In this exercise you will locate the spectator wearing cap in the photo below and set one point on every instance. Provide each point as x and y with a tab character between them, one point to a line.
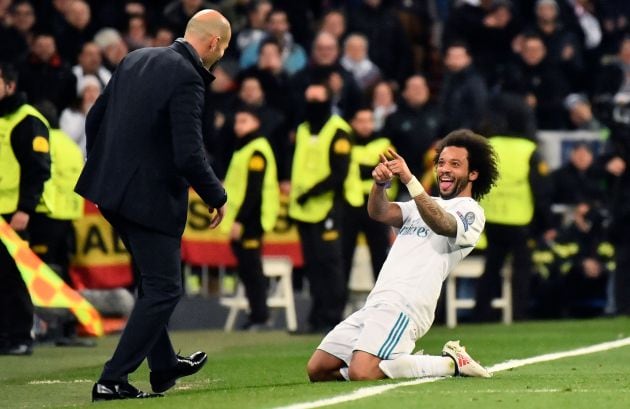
581	113
355	60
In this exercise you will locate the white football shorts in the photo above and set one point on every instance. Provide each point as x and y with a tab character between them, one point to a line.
381	330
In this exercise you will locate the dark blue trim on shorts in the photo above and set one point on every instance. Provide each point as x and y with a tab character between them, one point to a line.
394	336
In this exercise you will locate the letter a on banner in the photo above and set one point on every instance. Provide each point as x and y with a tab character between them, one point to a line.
46	288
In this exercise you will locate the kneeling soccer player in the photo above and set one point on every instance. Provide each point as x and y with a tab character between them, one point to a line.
435	234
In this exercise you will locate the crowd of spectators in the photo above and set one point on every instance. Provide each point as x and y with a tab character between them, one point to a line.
425	67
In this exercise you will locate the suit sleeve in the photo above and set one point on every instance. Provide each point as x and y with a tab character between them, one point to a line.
95	118
31	146
185	111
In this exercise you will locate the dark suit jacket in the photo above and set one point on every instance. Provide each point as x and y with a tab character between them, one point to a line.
144	140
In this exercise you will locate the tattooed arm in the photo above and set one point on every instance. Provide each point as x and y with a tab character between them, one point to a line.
438	219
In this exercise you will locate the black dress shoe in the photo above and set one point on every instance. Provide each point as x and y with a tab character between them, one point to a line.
115	391
164	380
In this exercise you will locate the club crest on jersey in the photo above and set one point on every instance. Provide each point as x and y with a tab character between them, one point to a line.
468	219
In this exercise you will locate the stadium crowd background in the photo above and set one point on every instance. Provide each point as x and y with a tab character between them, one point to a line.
424	67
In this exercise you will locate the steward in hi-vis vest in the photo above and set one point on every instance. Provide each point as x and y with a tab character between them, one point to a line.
252	209
323	177
521	192
24	168
366	152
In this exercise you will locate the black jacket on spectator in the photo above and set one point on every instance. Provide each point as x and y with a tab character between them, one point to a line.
144	140
462	100
12	44
349	100
389	47
52	81
412	131
490	47
571	186
546	82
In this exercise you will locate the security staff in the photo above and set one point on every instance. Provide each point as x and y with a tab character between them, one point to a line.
323	176
252	209
52	234
24	168
365	151
510	206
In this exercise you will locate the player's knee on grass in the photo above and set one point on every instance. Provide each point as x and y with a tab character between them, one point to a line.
323	367
364	367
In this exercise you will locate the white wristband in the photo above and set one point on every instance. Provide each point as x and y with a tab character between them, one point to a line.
414	187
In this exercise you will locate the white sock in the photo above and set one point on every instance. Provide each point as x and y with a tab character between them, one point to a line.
344	372
418	366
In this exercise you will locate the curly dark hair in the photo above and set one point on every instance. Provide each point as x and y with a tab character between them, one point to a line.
481	157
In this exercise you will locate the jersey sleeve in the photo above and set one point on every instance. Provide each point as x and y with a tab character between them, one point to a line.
470	222
407	209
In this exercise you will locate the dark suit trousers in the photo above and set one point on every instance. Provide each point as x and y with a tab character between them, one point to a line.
504	240
156	260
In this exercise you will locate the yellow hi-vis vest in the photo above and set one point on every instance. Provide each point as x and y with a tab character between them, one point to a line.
311	165
66	165
368	155
236	184
10	167
511	201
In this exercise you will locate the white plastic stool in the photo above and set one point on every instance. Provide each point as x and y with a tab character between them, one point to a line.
280	294
472	267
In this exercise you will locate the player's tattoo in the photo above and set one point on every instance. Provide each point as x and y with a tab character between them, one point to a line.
438	219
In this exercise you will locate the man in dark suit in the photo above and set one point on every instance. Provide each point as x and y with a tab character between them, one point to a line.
145	147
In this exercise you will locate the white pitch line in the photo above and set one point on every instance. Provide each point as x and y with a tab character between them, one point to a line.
515	363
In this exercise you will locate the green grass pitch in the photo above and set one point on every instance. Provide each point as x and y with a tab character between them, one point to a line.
267	370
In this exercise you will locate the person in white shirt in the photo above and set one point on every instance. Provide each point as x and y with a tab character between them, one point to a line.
435	233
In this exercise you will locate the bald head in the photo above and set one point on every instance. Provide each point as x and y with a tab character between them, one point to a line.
209	32
208	23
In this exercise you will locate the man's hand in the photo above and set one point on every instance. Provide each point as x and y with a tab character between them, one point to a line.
381	173
399	167
217	217
19	221
236	231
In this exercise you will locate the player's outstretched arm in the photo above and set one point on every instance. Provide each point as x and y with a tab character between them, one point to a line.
438	219
379	207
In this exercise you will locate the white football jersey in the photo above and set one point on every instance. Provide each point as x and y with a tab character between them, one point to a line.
420	260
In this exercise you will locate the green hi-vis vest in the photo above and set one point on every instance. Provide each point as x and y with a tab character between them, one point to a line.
10	167
511	202
311	164
368	155
236	184
67	163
